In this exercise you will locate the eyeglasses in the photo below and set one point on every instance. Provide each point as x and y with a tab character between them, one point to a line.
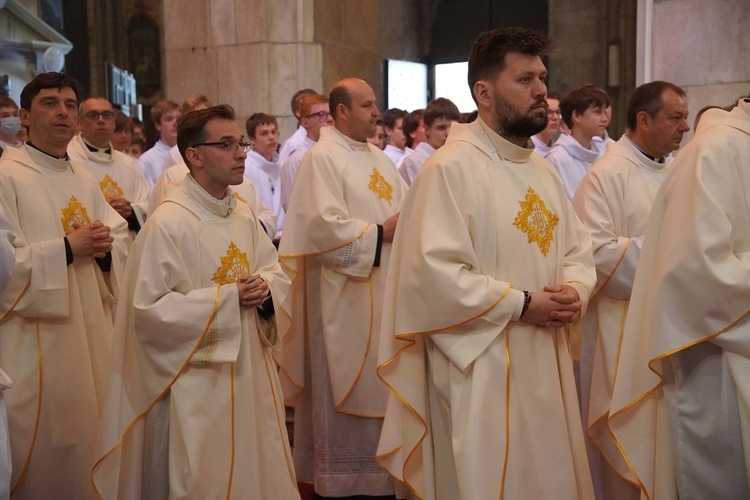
227	145
552	112
94	115
322	115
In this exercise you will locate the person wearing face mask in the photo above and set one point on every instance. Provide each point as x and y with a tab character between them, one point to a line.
10	123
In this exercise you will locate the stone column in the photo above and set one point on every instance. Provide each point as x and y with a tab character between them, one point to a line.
251	54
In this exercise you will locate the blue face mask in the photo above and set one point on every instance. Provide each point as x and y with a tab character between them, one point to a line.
10	125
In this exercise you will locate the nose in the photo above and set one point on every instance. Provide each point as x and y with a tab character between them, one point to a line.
683	126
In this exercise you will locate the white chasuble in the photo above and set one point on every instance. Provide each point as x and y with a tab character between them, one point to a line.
613	201
182	336
56	326
482	406
690	297
343	190
116	174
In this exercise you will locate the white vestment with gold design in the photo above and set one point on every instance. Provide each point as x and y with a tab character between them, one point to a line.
343	190
116	174
55	324
482	406
246	192
680	409
181	339
613	201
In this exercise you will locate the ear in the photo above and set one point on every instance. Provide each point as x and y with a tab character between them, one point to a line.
194	157
643	120
341	110
484	93
24	116
575	116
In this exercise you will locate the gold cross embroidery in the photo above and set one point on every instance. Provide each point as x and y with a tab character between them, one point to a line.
233	266
536	221
110	189
75	213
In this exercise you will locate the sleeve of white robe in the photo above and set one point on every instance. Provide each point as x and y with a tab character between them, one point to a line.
616	256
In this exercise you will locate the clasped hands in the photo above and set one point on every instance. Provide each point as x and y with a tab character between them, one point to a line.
553	307
93	240
253	291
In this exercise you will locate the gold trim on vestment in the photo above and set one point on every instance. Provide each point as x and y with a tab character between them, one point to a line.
40	366
380	186
656	387
109	188
294	255
596	292
231	460
406	337
280	421
507	412
74	213
161	395
13	307
364	361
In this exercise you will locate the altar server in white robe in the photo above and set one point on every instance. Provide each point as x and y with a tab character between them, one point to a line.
336	245
614	201
680	409
56	326
263	166
490	271
120	181
195	408
164	115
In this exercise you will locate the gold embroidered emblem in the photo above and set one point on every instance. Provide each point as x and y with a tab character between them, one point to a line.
240	198
380	186
110	189
75	213
536	221
233	266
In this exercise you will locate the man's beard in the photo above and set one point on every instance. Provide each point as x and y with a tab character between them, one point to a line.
514	124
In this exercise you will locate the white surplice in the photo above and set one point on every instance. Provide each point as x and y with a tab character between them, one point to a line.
572	161
266	177
412	163
289	170
151	162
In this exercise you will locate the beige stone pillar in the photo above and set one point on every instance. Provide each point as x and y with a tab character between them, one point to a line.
251	54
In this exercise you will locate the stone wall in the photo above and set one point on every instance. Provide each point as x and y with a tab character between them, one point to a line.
704	47
252	54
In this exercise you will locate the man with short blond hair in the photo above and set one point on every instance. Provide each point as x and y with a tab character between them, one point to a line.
164	115
342	215
315	114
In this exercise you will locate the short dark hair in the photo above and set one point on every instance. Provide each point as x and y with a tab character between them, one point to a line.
393	115
339	95
440	108
411	123
584	97
647	98
298	97
122	121
258	119
191	126
161	107
50	80
7	102
553	95
487	56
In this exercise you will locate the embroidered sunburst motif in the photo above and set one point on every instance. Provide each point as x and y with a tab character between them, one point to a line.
110	189
380	186
536	221
233	266
74	213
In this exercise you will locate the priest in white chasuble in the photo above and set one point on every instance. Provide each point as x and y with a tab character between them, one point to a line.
679	411
490	273
195	409
55	314
121	182
342	214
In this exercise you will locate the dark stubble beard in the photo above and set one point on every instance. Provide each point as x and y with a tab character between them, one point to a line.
514	124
